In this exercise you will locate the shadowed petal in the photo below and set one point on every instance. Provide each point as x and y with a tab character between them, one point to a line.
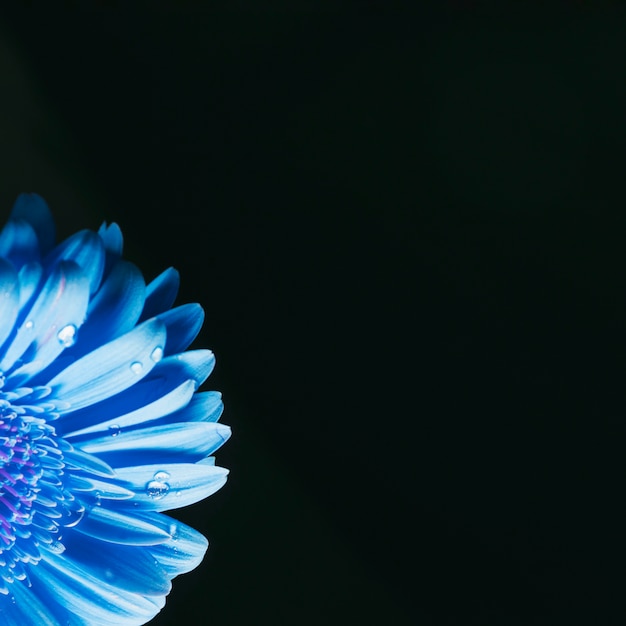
161	293
32	208
9	298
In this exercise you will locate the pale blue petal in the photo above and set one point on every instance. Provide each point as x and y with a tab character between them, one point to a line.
30	280
86	249
167	486
168	403
88	598
130	568
114	310
27	609
161	293
32	208
183	325
62	302
197	438
9	298
184	551
120	528
206	406
99	489
159	393
111	368
193	364
79	460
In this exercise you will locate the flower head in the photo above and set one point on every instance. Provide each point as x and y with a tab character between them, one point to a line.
101	428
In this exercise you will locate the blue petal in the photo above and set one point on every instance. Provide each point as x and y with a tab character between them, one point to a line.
183	325
18	243
166	486
164	390
193	364
161	293
184	551
30	278
88	598
130	568
86	249
76	459
100	488
32	208
61	304
26	609
114	310
206	406
9	298
117	527
111	368
196	438
113	244
166	404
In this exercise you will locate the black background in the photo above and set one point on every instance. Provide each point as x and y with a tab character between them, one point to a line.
407	231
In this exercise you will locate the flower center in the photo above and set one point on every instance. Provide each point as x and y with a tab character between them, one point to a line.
19	473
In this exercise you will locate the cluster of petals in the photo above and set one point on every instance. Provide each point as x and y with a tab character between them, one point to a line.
101	428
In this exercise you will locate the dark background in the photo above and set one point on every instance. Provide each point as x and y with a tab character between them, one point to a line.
408	232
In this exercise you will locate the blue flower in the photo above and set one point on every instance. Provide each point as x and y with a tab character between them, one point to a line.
101	428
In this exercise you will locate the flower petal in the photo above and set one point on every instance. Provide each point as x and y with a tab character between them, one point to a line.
161	293
206	406
166	486
87	599
86	249
121	528
183	325
60	305
26	609
130	568
111	368
33	209
114	310
18	243
9	298
167	403
197	439
29	279
183	551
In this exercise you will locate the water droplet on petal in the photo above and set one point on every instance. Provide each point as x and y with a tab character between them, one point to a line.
136	367
29	325
114	430
67	335
157	488
157	354
173	531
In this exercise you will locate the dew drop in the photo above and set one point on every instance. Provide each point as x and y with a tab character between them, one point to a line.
67	335
114	430
157	488
173	531
29	325
136	367
157	354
